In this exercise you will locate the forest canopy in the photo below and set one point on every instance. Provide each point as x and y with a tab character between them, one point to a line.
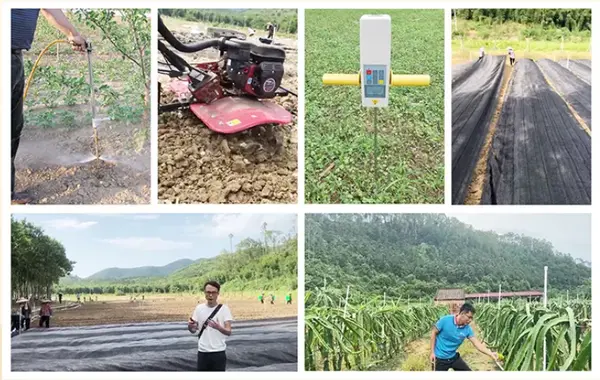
414	255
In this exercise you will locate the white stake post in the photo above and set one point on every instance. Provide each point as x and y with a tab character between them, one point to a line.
346	303
545	304
383	298
499	294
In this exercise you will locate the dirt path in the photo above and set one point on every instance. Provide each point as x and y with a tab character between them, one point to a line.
196	165
417	356
57	166
168	309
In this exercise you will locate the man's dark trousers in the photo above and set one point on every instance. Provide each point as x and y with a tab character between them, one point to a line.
17	88
456	363
212	361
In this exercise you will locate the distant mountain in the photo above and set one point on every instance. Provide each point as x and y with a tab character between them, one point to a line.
148	271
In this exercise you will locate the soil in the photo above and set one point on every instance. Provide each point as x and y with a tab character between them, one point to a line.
58	165
166	309
196	165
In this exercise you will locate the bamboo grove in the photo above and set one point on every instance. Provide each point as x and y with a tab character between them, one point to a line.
37	261
518	330
358	337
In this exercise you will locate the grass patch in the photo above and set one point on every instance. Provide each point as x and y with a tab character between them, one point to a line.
339	138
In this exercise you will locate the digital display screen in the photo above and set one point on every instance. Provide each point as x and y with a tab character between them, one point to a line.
375	91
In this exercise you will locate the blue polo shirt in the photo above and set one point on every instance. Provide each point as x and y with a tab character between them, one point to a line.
450	337
22	27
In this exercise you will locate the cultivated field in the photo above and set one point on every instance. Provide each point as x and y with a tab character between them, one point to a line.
537	150
339	158
56	158
165	308
196	165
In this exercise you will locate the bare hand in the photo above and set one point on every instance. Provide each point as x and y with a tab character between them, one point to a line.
77	42
214	325
432	357
495	356
192	324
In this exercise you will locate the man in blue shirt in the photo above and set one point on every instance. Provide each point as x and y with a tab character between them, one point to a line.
23	25
447	336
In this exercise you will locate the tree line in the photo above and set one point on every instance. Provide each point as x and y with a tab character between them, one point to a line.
270	264
572	19
414	255
285	20
37	261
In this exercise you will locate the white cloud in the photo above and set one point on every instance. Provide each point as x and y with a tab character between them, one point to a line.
148	243
69	224
242	225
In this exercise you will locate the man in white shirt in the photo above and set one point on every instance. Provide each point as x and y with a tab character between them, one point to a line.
214	321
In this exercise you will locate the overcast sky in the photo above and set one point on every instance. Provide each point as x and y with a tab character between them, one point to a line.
99	241
569	233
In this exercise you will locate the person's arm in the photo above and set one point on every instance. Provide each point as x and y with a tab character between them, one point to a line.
57	19
434	333
481	347
226	329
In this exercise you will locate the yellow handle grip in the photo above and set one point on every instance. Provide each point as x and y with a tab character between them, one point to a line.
341	79
411	80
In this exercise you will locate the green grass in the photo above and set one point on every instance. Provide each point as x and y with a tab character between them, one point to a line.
496	38
339	140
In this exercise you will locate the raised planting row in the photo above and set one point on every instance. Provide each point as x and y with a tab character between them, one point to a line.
581	68
518	331
573	89
540	153
254	345
361	336
474	97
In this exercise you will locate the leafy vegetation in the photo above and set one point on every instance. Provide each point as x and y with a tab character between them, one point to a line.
255	265
414	255
518	330
532	33
339	131
60	84
285	20
37	261
360	336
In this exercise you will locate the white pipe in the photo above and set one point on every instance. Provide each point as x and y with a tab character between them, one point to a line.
545	305
499	294
346	303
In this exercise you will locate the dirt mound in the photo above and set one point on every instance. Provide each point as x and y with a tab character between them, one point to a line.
196	165
57	166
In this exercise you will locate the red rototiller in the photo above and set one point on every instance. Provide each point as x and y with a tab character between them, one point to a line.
232	94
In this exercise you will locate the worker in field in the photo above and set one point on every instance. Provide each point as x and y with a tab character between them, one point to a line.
26	313
481	53
45	313
261	298
272	299
60	298
215	319
448	334
511	56
23	25
271	30
288	299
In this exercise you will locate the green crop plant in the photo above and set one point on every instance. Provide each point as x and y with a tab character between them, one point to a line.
518	330
360	336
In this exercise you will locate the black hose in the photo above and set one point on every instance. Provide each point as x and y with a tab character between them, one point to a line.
190	48
173	58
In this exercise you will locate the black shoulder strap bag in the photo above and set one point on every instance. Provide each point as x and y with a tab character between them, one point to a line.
212	315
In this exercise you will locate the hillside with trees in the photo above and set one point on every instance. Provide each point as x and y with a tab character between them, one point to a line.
254	265
147	271
286	20
413	255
